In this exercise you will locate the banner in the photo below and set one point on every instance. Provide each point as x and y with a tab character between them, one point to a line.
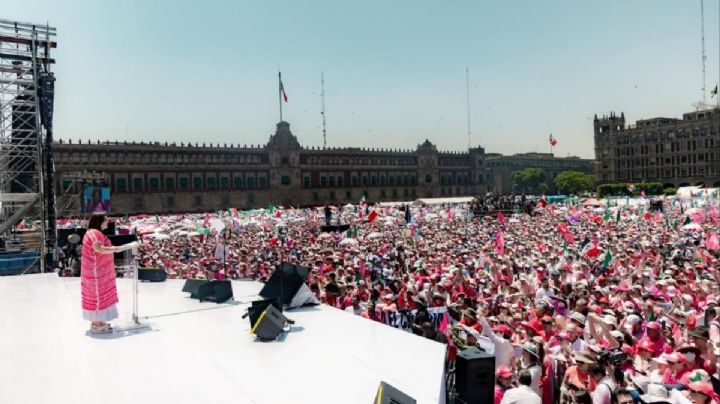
404	319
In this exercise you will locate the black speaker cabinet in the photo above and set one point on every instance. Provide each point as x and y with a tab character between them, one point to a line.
191	286
474	376
387	394
152	275
215	291
284	283
269	325
257	308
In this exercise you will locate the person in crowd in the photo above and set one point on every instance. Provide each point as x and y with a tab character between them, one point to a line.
503	382
523	394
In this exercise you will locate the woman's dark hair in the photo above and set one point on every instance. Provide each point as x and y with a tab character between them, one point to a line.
95	221
524	378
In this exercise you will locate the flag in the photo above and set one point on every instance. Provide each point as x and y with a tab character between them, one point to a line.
282	88
714	91
271	208
617	216
500	217
593	251
372	216
553	140
630	187
606	261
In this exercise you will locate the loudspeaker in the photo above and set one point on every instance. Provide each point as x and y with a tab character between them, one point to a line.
332	228
215	291
152	275
387	394
191	286
284	283
269	325
474	376
258	307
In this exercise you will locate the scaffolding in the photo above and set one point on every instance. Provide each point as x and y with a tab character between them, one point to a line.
27	203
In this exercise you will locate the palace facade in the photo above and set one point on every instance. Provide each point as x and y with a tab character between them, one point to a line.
154	177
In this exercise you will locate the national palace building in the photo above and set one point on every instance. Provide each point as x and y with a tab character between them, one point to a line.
155	177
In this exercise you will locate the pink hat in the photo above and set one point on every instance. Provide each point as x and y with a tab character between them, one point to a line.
653	325
504	372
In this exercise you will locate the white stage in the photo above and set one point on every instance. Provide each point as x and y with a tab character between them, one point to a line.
198	352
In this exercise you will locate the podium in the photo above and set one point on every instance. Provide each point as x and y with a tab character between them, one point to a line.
129	267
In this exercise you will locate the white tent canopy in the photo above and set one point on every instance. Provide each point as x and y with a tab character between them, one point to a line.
440	201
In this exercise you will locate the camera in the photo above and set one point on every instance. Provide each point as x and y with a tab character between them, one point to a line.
612	356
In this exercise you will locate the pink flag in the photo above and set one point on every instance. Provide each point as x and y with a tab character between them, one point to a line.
500	244
712	242
443	323
501	217
449	213
699	217
569	238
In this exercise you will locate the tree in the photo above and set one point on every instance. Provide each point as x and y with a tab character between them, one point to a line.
528	180
574	182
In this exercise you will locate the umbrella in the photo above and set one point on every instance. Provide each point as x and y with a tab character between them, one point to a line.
348	241
592	202
692	226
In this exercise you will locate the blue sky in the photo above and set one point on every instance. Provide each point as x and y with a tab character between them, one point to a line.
394	70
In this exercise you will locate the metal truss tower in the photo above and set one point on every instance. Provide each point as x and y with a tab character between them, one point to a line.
27	200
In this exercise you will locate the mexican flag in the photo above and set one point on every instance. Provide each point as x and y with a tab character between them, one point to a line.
553	140
282	88
606	261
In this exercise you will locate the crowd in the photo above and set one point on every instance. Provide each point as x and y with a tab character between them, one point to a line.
506	203
578	304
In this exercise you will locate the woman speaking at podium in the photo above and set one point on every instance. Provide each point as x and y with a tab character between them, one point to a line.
97	283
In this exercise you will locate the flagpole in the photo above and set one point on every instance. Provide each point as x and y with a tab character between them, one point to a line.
280	94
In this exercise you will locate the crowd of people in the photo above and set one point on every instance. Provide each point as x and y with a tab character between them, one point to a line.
579	304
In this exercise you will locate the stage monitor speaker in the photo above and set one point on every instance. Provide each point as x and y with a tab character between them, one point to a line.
191	286
387	394
215	291
332	229
152	274
270	324
284	283
258	307
474	376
